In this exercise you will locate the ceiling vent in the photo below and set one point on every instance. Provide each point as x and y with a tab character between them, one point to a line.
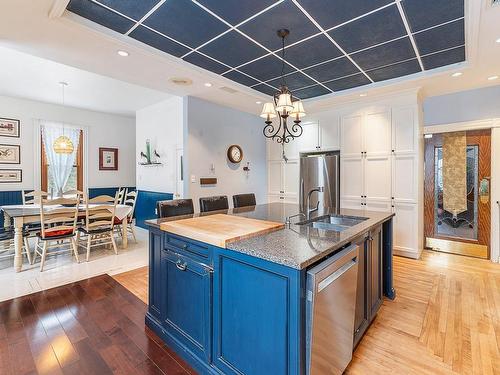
181	81
228	89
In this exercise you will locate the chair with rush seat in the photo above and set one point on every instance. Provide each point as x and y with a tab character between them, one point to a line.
99	223
176	207
215	203
244	200
58	219
130	199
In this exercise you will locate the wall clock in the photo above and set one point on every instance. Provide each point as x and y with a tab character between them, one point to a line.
235	154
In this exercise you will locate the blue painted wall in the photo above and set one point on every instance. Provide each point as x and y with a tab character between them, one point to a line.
145	207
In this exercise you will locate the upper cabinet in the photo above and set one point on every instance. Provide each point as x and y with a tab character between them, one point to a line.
404	130
377	133
351	136
318	135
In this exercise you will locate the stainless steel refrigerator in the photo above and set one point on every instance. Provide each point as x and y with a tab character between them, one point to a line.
320	179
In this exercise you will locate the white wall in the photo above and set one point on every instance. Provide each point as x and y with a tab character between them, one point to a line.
103	130
471	105
210	129
162	124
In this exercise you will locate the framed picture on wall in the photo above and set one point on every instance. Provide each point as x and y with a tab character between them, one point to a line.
10	127
108	159
10	154
11	175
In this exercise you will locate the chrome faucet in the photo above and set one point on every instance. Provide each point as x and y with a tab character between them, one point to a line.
310	210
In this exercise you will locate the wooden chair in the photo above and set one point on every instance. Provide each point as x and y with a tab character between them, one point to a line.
58	219
122	192
33	196
99	223
7	243
130	200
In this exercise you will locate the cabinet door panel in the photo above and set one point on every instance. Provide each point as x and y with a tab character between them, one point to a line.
354	204
330	133
291	178
404	178
378	205
309	140
156	306
377	133
405	227
351	178
274	151
377	180
403	130
188	303
351	136
375	271
275	177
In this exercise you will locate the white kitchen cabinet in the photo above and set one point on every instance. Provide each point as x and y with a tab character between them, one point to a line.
377	133
378	205
330	133
275	177
377	177
404	178
274	150
404	130
309	140
405	229
351	137
283	180
353	204
352	177
291	172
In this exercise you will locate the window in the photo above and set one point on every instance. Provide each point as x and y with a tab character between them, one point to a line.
75	180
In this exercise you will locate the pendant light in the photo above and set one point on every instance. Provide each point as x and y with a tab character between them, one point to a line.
282	106
63	145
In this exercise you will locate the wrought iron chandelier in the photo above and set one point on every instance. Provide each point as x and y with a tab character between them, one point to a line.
283	106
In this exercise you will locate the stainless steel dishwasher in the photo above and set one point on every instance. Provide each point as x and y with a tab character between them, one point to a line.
330	304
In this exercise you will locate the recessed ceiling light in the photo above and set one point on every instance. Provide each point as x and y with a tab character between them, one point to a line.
492	78
258	102
457	74
122	53
208	84
363	95
181	81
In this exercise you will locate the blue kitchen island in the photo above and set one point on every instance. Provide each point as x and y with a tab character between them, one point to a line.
242	309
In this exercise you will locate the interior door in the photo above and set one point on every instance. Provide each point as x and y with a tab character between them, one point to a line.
463	227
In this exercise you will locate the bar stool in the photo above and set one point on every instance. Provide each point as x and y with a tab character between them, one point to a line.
214	203
244	200
175	207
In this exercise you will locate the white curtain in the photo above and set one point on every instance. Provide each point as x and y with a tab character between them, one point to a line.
60	165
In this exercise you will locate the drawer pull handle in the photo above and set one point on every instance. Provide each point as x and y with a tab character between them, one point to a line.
181	266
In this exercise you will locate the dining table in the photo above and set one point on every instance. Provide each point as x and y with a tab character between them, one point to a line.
21	214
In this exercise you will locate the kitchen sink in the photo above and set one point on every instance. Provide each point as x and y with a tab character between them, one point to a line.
336	223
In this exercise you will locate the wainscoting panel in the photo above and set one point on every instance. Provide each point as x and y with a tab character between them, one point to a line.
146	205
9	197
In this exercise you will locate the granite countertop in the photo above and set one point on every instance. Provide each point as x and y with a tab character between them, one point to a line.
296	246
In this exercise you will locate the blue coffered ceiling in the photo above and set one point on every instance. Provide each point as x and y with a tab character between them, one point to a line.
334	45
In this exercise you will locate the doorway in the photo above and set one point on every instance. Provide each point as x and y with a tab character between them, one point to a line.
457	210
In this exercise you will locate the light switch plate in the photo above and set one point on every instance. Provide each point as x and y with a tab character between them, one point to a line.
193	179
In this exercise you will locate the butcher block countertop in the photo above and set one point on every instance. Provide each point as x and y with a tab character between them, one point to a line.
220	229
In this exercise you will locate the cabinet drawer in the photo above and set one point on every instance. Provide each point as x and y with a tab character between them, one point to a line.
190	248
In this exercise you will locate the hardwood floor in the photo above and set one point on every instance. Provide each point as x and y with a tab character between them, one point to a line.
444	320
94	326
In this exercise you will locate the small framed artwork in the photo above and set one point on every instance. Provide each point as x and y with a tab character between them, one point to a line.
10	154
10	127
11	175
108	159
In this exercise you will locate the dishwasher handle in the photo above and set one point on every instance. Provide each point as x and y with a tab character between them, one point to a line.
334	276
